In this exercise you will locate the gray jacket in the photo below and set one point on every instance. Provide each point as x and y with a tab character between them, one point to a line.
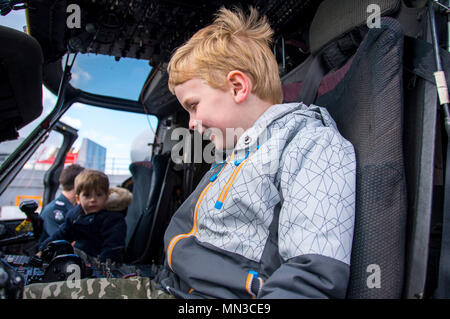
273	221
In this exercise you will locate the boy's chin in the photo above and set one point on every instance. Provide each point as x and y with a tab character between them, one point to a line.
91	211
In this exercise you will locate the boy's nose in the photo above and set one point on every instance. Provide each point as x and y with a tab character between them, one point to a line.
196	125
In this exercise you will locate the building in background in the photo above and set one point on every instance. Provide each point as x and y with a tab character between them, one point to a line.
92	155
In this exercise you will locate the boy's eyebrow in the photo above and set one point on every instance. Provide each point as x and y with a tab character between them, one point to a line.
187	101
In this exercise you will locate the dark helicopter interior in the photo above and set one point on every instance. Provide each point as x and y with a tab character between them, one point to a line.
409	222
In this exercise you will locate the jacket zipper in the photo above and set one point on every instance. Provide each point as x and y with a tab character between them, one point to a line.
194	229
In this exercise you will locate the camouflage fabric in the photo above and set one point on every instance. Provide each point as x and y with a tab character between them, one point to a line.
97	288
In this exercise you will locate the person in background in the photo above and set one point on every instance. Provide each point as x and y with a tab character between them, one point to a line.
54	213
97	226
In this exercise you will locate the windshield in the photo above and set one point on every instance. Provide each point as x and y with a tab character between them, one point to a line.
102	74
108	135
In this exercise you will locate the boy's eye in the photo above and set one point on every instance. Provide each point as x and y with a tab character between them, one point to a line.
193	106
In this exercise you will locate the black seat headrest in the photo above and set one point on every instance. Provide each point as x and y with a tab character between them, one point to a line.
21	62
328	23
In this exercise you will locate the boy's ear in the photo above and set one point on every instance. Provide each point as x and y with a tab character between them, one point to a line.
77	199
239	84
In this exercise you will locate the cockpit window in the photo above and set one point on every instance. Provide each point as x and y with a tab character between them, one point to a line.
117	137
102	74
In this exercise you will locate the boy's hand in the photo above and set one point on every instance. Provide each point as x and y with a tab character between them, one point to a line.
38	254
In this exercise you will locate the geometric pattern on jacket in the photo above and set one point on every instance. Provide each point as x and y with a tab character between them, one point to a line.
303	162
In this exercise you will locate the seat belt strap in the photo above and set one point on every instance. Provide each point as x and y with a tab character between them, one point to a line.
316	71
443	289
420	56
443	286
423	55
418	60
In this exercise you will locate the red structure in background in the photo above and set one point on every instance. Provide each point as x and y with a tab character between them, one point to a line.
71	158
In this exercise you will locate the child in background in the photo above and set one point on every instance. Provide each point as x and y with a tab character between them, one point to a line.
97	223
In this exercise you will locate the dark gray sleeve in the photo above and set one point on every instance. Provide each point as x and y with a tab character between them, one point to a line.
308	276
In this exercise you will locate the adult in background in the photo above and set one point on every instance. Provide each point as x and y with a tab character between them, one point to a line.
54	213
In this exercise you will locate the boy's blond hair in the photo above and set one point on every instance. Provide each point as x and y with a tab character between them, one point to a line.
91	180
234	41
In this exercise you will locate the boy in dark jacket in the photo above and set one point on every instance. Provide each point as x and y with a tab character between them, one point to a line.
97	223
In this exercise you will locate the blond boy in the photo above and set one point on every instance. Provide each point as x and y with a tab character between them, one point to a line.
249	230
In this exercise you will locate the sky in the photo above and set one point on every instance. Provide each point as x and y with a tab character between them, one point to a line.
115	130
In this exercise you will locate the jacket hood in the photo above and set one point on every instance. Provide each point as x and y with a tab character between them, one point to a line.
119	199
